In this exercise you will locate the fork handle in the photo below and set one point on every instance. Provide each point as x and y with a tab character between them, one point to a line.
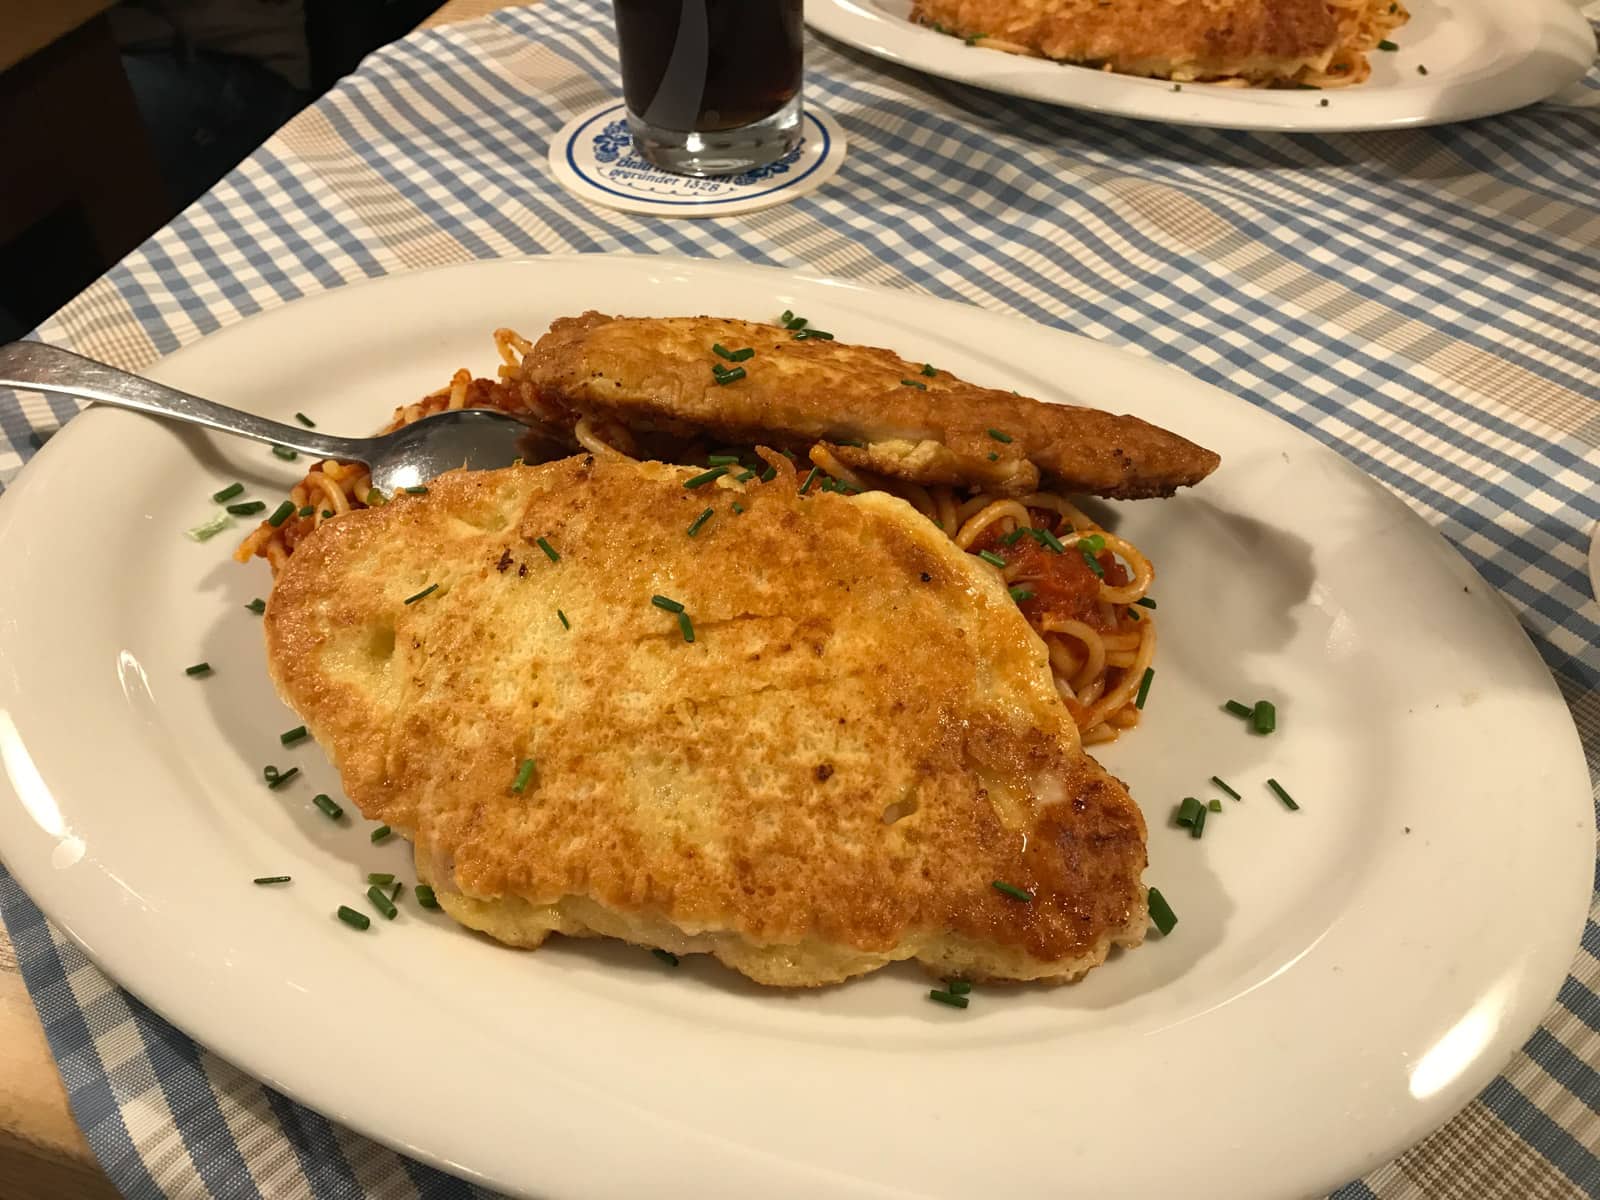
36	367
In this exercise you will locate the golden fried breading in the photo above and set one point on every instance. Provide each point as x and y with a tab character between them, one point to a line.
1170	39
876	411
862	736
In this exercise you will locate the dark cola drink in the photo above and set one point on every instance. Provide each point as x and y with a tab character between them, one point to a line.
712	86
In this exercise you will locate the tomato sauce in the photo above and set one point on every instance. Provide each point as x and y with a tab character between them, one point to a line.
1063	585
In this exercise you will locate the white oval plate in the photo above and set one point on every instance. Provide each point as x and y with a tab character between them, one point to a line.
1482	57
1343	977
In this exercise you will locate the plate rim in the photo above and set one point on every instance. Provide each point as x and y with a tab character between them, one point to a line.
1558	25
28	876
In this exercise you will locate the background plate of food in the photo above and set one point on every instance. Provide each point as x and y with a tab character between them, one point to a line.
573	683
1312	65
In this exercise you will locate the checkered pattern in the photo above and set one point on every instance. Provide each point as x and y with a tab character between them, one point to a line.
1425	302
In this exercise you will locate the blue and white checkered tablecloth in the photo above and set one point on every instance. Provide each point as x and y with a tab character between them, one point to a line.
1425	302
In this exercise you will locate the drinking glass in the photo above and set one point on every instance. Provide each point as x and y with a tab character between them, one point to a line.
712	86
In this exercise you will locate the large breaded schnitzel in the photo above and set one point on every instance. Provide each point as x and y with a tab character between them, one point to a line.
1322	42
873	409
860	740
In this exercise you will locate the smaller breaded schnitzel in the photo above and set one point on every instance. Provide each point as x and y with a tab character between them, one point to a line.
872	409
804	733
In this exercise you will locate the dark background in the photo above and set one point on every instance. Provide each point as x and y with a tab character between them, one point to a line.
113	128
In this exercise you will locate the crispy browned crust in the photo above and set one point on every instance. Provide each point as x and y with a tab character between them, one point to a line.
654	374
1194	39
727	795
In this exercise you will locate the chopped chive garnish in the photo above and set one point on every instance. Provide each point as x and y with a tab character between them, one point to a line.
1199	826
998	436
928	369
1225	787
705	477
281	514
788	315
1012	538
418	490
200	668
1161	914
1239	710
1133	614
810	478
922	387
993	457
1187	811
1287	799
685	626
210	527
327	806
808	334
666	956
737	508
247	508
793	322
1051	542
1091	561
524	774
1021	594
958	987
1214	805
1144	687
562	617
375	498
269	772
1010	889
291	736
425	896
227	493
353	918
1386	44
257	606
327	513
549	550
285	453
307	510
1264	719
1093	544
1145	602
672	606
769	474
734	356
270	879
427	591
398	888
990	557
380	833
383	877
950	998
382	903
694	526
305	420
724	377
284	778
1421	70
744	476
721	460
